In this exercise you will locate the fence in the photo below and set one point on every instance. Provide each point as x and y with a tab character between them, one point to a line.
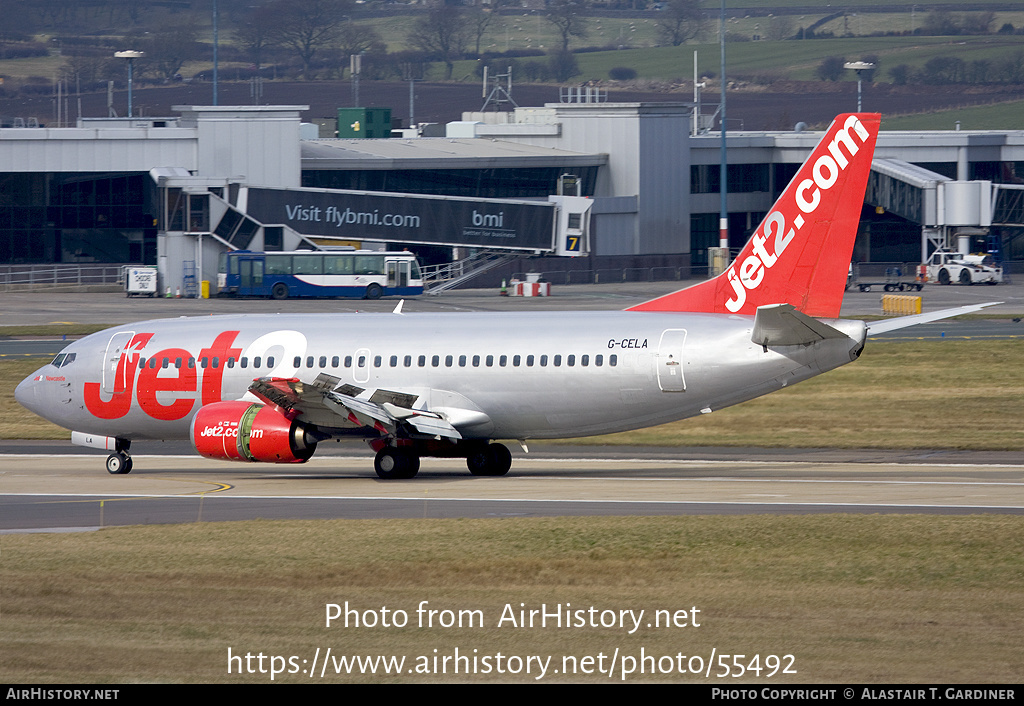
64	276
622	274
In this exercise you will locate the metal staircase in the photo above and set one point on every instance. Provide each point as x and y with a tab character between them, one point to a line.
440	278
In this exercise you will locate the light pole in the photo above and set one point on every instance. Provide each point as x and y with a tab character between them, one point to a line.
131	56
860	67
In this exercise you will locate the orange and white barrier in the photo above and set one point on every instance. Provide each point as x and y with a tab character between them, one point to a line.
530	289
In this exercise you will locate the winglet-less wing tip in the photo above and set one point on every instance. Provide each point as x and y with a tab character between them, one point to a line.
886	325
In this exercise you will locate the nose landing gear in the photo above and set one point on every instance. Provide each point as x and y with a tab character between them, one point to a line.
119	463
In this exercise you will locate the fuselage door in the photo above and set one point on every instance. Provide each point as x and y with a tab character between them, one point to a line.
670	360
115	374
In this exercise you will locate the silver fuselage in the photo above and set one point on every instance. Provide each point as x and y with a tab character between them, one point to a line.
508	375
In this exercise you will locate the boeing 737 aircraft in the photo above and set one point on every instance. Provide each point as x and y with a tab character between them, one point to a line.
270	387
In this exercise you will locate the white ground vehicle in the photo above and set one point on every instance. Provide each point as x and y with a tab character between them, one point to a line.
947	267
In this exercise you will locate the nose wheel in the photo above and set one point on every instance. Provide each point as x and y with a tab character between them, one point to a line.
119	463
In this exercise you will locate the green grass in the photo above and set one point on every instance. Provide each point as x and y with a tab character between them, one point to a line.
69	329
778	59
795	60
999	116
872	599
891	398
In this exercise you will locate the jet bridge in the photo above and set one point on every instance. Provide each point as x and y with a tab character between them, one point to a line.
942	206
201	217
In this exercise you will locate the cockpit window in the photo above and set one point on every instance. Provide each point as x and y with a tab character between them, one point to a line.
63	360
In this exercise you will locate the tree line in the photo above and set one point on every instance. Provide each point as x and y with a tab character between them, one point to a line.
309	38
315	38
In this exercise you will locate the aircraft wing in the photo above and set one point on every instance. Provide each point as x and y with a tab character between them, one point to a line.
886	325
327	403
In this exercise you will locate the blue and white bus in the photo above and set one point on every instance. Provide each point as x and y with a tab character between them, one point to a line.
367	274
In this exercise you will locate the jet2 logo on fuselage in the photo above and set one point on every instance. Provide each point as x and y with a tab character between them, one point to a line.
147	381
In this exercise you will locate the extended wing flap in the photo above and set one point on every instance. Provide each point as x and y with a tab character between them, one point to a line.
783	325
285	393
426	423
325	403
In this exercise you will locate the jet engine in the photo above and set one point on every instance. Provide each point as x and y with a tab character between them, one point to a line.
247	431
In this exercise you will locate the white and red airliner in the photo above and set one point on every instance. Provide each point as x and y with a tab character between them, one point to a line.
270	387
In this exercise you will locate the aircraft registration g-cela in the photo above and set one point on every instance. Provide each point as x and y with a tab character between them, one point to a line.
270	387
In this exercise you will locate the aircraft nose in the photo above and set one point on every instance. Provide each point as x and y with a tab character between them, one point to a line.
29	393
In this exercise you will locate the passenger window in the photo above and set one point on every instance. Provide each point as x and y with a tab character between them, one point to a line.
503	361
270	361
422	361
543	361
490	361
584	360
255	362
142	363
394	361
570	360
165	363
231	362
408	361
244	362
309	361
152	363
335	361
515	360
435	361
476	361
297	363
323	361
529	361
558	361
177	362
613	360
376	361
191	362
448	360
348	361
598	360
462	361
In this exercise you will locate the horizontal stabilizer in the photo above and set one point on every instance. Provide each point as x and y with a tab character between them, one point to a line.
783	325
886	325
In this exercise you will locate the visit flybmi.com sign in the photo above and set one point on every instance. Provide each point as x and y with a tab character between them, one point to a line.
361	215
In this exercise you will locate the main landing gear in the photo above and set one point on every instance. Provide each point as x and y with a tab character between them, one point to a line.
482	459
489	460
393	462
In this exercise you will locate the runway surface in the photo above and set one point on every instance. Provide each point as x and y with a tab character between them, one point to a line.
50	485
73	492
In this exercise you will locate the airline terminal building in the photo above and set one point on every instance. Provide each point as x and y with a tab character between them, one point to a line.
175	192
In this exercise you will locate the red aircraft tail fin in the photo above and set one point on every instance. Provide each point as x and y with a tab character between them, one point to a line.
800	254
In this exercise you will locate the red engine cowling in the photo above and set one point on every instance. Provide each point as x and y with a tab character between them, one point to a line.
247	431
